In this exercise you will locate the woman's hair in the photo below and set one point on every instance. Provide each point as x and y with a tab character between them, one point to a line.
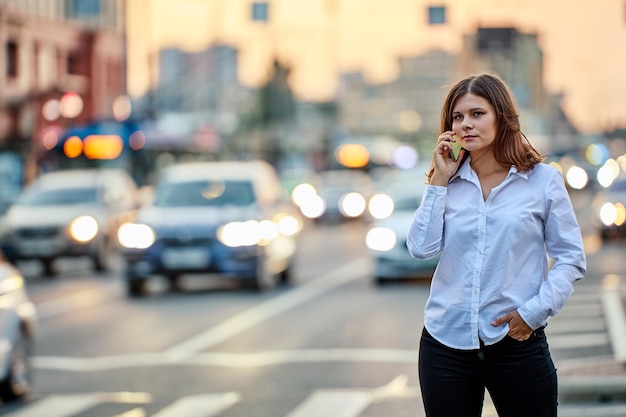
510	147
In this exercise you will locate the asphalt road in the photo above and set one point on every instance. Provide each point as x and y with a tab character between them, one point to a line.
333	344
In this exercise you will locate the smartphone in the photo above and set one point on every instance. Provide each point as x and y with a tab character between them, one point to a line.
456	150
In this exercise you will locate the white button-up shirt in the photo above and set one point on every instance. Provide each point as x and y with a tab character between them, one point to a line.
494	253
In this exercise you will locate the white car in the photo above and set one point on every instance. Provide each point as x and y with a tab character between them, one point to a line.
18	322
71	213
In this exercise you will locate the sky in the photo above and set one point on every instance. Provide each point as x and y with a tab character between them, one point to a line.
583	41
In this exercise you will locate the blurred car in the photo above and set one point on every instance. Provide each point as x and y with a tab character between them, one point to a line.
335	195
225	218
609	212
18	322
68	213
392	210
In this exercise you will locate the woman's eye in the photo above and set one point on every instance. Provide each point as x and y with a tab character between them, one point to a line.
478	113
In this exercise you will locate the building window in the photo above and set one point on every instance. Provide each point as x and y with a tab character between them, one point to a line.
12	59
436	15
260	11
82	8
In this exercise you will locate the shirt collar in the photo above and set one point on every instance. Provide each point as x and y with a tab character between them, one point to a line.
465	171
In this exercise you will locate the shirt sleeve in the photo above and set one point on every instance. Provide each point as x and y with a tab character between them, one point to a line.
564	244
425	237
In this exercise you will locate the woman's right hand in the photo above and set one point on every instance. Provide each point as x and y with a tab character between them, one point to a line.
443	163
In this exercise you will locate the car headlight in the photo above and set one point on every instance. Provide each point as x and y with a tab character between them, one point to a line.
381	206
253	232
612	214
135	236
303	193
381	239
288	225
314	207
352	205
248	233
83	229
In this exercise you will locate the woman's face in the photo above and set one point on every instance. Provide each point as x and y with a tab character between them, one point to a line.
474	123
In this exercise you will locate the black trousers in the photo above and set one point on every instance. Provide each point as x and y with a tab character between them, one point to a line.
520	377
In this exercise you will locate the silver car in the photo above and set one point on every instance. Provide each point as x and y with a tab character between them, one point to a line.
73	213
392	210
609	212
18	322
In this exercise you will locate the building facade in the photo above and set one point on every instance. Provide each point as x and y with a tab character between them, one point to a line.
56	52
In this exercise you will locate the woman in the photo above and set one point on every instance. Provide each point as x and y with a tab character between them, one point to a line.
495	215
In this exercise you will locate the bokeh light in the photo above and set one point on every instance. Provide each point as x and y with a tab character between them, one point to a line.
71	105
73	147
597	154
577	177
122	108
51	110
50	139
404	157
137	140
352	155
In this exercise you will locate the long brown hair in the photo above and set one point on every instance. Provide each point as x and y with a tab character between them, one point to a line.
511	146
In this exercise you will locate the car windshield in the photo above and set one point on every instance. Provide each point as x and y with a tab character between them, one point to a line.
204	193
59	197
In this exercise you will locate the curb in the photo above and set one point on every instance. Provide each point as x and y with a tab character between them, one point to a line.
601	379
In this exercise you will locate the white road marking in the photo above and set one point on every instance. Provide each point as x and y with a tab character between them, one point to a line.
352	402
273	307
135	412
57	406
615	316
333	403
577	340
564	325
226	359
207	405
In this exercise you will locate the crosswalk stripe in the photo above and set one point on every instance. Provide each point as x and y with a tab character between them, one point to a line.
333	403
563	325
577	340
582	310
57	406
206	405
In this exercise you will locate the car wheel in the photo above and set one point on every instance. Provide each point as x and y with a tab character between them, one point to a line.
17	384
136	287
100	259
175	283
380	281
48	267
285	277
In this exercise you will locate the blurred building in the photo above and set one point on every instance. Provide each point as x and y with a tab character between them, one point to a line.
409	108
518	59
404	108
197	98
62	63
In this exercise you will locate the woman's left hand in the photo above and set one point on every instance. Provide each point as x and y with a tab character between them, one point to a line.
518	329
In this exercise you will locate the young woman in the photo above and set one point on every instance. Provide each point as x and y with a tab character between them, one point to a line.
495	214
